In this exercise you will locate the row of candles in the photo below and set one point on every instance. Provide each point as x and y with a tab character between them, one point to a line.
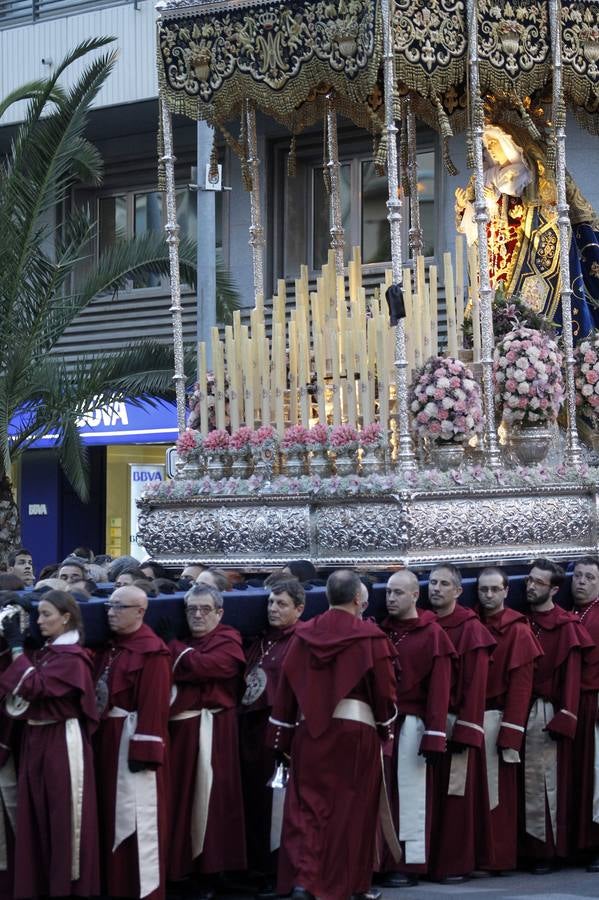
332	359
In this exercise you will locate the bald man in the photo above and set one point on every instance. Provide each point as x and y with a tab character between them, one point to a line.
423	665
133	681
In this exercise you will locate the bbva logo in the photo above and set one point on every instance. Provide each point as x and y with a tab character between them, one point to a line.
147	476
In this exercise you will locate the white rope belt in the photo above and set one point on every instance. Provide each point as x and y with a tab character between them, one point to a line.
204	774
411	784
136	807
540	771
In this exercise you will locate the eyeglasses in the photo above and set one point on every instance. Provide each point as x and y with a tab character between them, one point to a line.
538	582
117	607
193	610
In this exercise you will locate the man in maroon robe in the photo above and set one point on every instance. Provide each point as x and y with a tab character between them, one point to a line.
423	666
551	724
585	593
207	834
509	689
461	829
263	805
338	684
133	684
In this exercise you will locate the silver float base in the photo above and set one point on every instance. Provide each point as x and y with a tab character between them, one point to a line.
471	526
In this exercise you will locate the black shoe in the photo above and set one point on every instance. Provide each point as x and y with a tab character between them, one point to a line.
593	866
454	879
267	892
482	873
300	893
542	869
398	880
372	894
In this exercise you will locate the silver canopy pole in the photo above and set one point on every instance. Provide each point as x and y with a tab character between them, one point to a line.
256	230
406	457
336	230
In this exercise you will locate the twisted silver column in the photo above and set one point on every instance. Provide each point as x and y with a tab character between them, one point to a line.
256	240
406	456
481	216
172	239
416	240
573	449
336	230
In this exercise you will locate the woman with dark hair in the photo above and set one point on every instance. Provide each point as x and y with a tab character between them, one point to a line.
56	852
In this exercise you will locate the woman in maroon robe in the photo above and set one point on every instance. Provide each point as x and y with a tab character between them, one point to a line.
56	851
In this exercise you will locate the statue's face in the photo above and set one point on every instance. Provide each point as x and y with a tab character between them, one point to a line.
495	151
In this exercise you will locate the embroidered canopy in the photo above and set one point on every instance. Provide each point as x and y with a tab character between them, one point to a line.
284	55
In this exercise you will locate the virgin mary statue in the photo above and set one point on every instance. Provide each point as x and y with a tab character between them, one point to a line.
523	234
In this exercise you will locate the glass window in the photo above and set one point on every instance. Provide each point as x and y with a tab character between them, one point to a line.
376	240
147	217
426	194
113	220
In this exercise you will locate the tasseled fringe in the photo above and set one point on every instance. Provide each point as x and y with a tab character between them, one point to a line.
380	157
528	122
446	133
213	170
292	158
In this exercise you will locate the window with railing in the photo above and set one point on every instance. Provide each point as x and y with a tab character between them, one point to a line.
22	12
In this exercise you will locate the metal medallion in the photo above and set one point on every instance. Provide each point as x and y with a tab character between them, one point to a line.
255	685
102	692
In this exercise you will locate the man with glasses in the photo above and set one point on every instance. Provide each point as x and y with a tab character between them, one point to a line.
552	720
509	689
133	683
207	834
423	667
461	828
585	593
263	806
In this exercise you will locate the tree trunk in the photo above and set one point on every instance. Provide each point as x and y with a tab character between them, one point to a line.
10	531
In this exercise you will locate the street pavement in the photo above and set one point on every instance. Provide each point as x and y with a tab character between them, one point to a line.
566	884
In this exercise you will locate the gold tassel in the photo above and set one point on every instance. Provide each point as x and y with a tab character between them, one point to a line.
380	157
528	122
446	133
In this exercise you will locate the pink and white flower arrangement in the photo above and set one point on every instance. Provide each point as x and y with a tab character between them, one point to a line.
586	360
529	386
344	437
445	401
295	439
371	435
241	440
318	436
265	435
216	441
188	443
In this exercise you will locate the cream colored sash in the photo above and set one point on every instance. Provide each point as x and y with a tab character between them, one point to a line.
276	818
492	725
204	775
458	773
540	772
596	774
75	755
136	809
411	783
8	796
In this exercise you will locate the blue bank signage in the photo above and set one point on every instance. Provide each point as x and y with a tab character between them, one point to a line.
124	423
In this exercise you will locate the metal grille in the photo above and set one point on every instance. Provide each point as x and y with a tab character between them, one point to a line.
22	12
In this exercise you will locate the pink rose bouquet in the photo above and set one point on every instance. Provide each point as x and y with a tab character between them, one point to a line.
295	439
188	443
241	440
344	437
586	361
216	441
264	435
529	386
372	435
318	437
445	401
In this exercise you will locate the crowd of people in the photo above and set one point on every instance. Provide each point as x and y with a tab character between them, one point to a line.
326	758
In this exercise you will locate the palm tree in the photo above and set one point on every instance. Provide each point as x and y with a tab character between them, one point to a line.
40	295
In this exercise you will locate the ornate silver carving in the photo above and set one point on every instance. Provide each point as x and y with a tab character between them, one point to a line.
172	239
256	230
336	230
468	526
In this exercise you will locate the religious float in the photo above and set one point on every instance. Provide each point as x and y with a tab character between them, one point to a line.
439	417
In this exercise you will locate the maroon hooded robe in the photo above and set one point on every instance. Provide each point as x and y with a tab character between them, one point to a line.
332	799
58	685
257	759
139	680
207	674
509	689
10	734
423	668
461	829
584	742
557	680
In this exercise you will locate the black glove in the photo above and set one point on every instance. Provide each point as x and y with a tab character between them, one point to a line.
13	634
432	757
165	629
136	766
395	302
456	747
282	758
26	604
